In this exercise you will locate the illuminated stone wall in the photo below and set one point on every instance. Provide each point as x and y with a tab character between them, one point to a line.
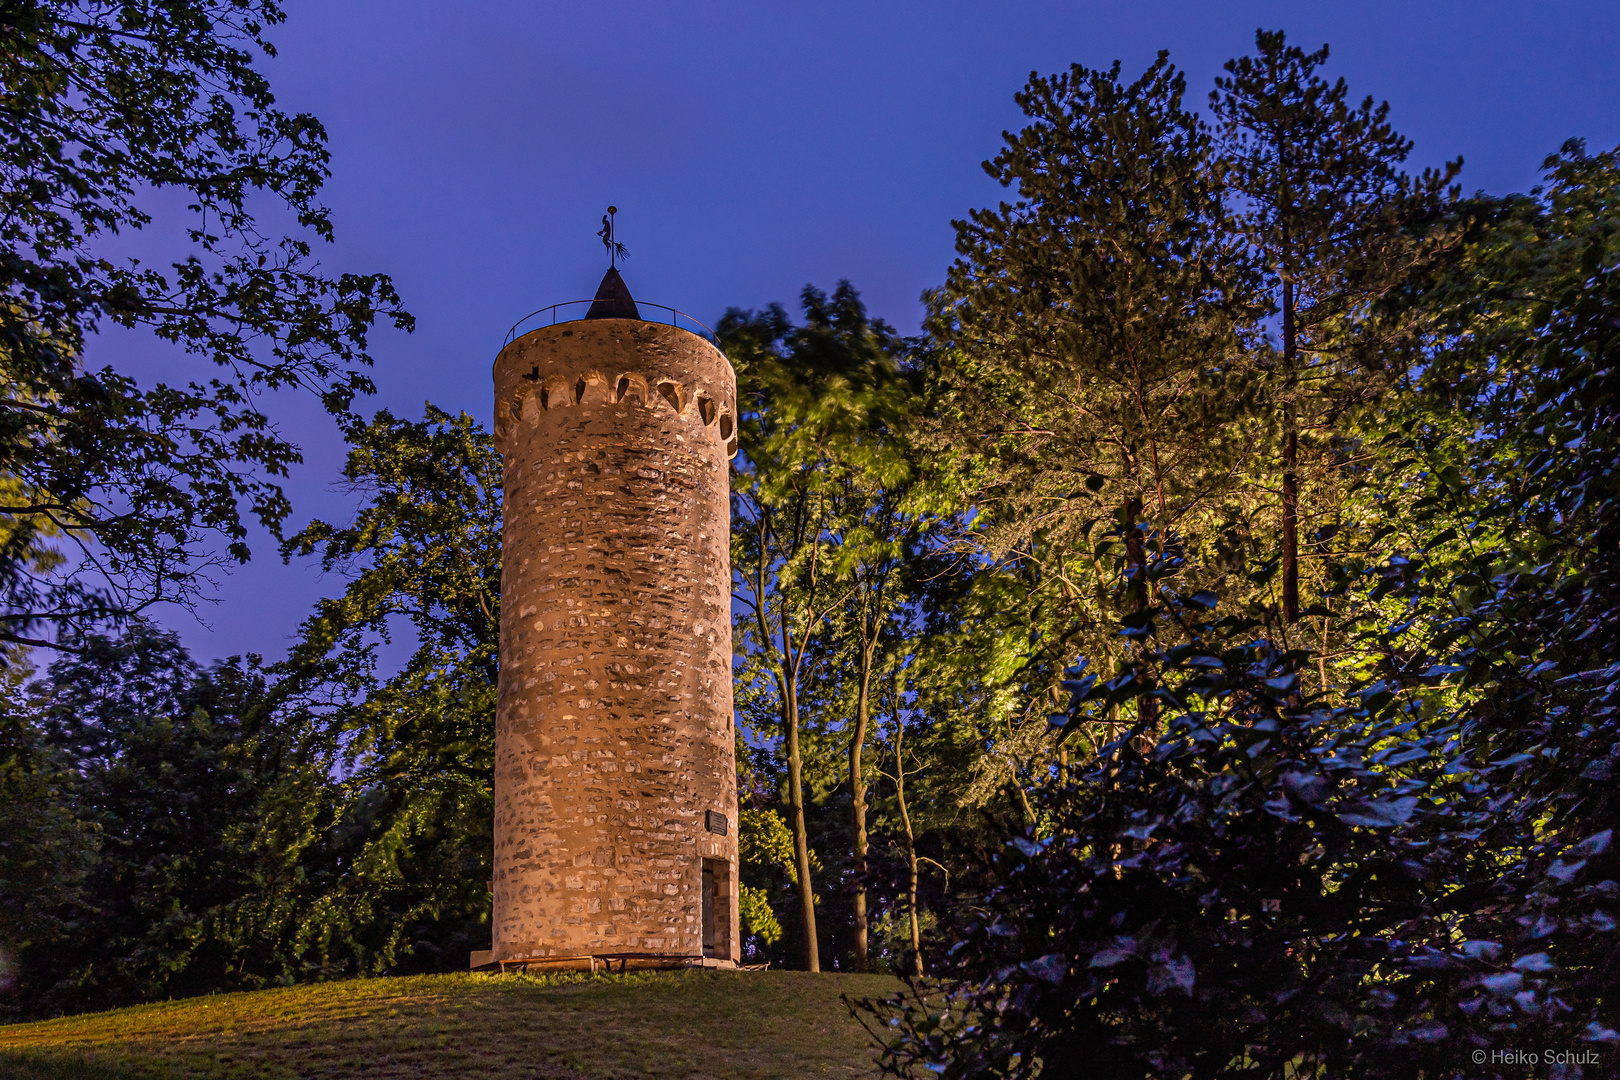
614	743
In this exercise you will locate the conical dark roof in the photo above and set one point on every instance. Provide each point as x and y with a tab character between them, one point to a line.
613	299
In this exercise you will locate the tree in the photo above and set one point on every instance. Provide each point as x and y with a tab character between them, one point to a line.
1092	324
1358	882
892	504
1091	339
906	763
114	492
161	762
1331	217
881	552
48	850
236	826
1214	903
1500	490
415	748
764	847
826	509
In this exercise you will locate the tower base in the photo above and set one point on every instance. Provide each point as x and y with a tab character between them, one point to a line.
484	960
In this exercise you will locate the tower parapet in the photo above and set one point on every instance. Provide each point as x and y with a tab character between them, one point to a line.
615	777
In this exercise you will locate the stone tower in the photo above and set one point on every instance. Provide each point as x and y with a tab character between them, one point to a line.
615	778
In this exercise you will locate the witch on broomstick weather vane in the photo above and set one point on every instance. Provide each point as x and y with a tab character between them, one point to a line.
616	250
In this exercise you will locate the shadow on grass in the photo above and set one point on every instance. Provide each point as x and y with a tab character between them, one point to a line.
34	1065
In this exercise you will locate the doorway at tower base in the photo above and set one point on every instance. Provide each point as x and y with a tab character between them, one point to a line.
483	960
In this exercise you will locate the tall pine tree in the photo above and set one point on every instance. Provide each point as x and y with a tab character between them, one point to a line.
1331	217
1091	335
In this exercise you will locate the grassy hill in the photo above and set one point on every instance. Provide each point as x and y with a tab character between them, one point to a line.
674	1025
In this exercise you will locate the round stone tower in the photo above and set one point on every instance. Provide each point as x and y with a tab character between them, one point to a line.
615	778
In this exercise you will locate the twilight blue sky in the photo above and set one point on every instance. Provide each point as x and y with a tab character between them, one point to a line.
755	146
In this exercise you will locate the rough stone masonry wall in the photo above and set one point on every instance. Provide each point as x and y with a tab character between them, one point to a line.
614	725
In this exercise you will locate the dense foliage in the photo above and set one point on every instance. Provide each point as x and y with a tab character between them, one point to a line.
118	495
151	780
1380	878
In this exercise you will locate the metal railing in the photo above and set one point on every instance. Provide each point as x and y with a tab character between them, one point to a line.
539	318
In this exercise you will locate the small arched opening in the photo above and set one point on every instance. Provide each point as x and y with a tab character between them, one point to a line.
674	393
632	390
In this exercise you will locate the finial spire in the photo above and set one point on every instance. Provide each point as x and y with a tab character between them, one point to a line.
613	299
616	250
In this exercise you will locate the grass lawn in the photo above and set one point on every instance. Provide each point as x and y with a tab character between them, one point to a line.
676	1025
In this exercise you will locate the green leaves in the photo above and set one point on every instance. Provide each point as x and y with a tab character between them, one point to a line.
1089	330
833	504
121	496
763	840
169	777
415	748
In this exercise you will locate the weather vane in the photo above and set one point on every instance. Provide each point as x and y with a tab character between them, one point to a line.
616	250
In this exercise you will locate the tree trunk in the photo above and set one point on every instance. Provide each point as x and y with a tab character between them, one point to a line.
857	791
1321	656
1021	807
1135	553
1290	523
1290	480
801	837
1147	706
911	849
